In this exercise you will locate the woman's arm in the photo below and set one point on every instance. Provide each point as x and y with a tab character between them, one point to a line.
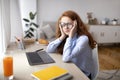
72	48
52	46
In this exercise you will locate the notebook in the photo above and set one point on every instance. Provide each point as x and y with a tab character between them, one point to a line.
52	73
39	57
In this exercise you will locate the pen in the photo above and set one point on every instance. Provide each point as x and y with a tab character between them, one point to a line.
39	50
17	39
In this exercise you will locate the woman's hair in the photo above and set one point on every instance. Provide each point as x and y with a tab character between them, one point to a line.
81	29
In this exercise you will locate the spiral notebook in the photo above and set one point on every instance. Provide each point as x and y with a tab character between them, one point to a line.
39	57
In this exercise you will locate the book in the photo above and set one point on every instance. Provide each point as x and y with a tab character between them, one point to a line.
52	73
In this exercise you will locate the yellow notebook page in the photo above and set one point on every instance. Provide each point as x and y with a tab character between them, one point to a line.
49	73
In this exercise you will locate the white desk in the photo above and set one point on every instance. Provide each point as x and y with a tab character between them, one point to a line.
22	69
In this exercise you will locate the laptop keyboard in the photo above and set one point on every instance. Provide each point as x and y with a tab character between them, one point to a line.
40	57
34	58
45	57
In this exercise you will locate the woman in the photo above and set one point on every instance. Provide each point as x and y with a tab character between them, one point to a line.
74	42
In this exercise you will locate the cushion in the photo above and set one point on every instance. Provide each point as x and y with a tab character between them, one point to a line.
41	35
48	31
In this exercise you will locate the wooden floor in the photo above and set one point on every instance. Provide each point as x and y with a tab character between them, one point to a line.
109	57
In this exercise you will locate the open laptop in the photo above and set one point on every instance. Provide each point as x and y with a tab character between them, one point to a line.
39	57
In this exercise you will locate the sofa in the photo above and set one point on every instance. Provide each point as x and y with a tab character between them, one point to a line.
47	31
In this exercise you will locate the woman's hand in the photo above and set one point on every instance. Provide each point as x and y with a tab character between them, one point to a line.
73	30
63	35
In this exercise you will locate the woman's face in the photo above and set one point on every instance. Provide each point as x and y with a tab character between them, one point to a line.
66	24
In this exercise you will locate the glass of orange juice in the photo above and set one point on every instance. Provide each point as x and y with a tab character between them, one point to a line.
8	67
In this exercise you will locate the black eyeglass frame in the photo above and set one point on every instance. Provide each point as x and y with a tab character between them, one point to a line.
69	25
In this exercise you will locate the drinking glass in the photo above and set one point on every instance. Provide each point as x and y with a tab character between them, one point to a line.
8	67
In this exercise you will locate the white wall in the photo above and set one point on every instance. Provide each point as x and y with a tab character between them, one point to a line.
50	10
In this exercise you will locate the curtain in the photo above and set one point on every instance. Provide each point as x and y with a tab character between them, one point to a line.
5	28
16	21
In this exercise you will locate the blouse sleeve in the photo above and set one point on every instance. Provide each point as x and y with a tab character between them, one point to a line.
52	46
72	48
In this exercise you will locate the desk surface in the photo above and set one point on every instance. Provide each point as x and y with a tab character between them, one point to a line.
22	69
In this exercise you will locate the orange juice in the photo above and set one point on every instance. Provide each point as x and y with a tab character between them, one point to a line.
8	66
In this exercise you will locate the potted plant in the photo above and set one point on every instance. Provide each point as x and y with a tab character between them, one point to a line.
31	25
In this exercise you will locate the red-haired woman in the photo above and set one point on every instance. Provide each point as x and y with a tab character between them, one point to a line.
74	42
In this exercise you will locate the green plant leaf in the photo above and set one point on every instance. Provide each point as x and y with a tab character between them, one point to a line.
27	31
32	29
27	25
31	15
26	20
27	36
31	24
31	34
34	24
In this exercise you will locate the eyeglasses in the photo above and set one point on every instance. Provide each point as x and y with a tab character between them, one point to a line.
68	25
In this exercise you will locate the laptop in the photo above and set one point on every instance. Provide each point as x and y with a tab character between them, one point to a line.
39	57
